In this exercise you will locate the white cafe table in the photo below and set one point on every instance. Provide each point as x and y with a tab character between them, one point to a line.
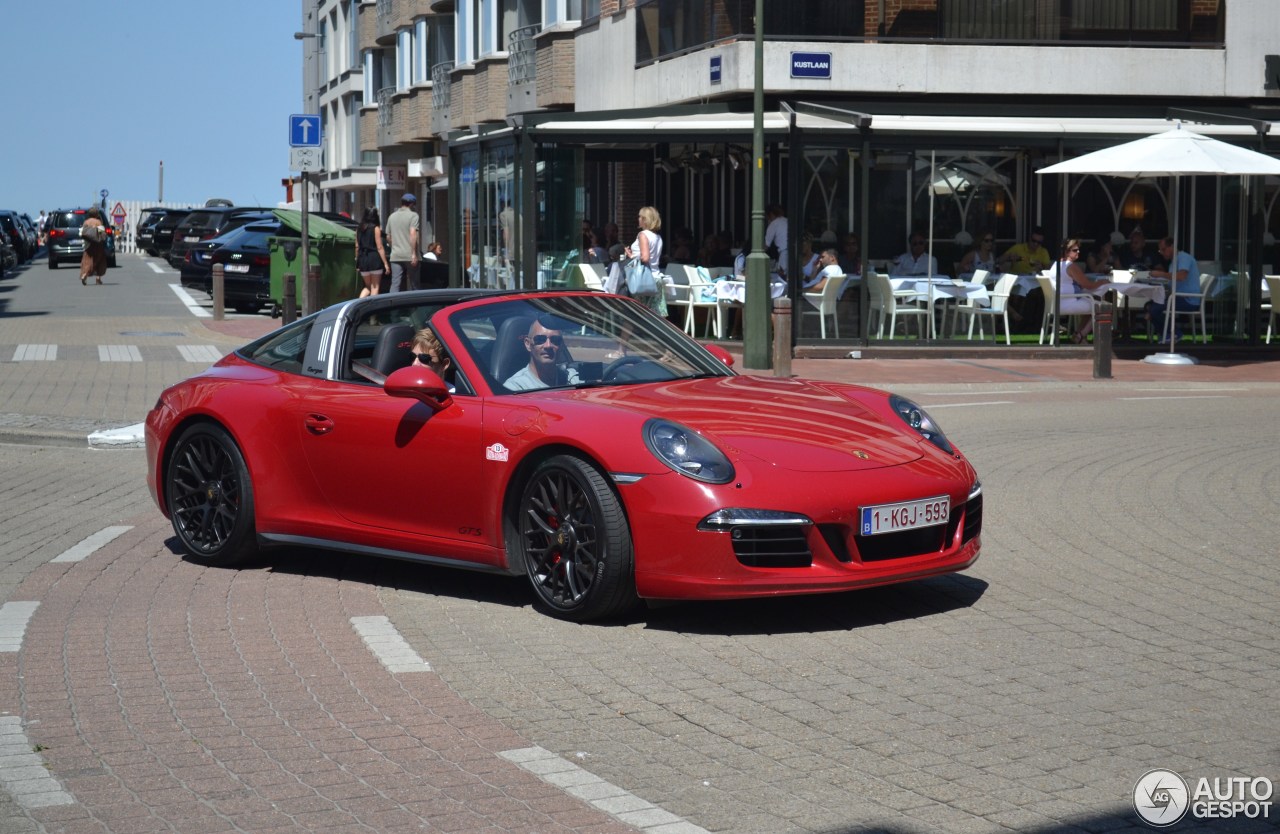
918	288
734	291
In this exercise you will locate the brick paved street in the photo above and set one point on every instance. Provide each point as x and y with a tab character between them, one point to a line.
1122	617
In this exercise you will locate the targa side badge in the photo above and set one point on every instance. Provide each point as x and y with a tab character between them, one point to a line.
496	452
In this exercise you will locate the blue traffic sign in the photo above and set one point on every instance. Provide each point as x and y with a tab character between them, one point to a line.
304	130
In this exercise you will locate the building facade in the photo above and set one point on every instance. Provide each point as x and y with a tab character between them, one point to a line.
516	120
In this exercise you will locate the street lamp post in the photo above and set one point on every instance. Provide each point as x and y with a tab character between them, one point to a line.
756	354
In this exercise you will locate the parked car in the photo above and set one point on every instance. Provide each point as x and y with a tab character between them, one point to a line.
646	468
8	257
144	235
33	233
64	243
12	227
205	224
196	270
246	263
162	232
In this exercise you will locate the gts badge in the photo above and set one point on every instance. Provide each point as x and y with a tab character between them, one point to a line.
469	531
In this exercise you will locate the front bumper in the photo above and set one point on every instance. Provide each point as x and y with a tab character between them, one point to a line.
676	559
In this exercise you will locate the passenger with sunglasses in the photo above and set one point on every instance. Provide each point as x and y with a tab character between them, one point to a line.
430	353
546	366
1027	258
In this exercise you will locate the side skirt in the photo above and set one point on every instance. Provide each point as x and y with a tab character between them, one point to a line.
383	553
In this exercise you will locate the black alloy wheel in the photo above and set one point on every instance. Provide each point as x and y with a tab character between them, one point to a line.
210	497
576	541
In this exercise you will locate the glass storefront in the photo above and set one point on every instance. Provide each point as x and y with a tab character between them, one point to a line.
510	234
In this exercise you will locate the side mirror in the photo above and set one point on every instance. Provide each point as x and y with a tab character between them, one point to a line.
418	383
720	353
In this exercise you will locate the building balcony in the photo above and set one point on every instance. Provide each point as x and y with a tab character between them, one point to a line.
393	15
540	69
441	97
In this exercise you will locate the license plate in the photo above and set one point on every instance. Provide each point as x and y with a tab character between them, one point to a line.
908	515
237	267
191	240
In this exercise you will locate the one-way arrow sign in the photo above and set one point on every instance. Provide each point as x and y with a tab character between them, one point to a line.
304	130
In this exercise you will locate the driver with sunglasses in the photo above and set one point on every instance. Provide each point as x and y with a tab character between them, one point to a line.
544	369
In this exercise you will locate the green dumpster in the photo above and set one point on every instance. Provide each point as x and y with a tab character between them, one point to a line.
333	249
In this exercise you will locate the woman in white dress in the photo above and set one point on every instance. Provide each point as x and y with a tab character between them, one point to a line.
1075	281
648	248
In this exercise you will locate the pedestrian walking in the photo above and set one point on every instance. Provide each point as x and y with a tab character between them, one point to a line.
93	263
402	228
371	256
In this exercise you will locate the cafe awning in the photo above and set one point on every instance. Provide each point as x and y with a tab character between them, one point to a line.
691	124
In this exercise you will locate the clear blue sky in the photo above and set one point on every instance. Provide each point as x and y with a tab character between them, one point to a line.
206	87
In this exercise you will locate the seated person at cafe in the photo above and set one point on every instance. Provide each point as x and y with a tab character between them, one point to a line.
1027	258
828	265
544	341
1103	258
1186	276
808	260
851	254
1075	282
915	261
1135	256
981	256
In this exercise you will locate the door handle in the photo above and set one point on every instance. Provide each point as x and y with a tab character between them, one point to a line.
318	424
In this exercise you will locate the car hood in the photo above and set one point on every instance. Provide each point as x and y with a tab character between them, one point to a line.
794	424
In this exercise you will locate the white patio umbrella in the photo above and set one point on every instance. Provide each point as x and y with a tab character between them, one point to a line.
1173	153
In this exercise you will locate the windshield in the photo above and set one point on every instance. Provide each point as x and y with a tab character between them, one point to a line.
577	341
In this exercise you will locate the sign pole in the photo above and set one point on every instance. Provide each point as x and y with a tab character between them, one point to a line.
308	303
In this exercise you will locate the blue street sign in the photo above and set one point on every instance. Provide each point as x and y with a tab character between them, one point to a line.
304	130
810	64
715	69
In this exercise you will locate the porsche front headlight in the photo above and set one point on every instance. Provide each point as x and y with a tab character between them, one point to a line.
687	452
919	419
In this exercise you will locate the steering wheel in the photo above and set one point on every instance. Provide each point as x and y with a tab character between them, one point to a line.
618	364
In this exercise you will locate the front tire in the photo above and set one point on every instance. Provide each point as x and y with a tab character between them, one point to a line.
575	541
210	497
53	262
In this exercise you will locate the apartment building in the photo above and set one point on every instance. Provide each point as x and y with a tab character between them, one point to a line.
516	120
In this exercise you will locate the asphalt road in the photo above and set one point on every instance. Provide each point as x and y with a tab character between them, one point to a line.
1122	617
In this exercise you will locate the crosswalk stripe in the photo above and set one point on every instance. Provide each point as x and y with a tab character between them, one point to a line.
119	353
200	353
38	353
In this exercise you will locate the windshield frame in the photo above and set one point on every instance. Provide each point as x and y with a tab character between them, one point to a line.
599	330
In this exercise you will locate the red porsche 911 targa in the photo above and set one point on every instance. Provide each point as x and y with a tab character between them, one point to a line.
573	437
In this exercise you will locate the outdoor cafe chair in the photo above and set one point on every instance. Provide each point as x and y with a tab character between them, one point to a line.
885	303
997	310
1170	319
823	304
1047	287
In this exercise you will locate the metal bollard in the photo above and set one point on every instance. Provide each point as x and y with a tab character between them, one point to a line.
219	292
290	314
782	337
1102	323
311	301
